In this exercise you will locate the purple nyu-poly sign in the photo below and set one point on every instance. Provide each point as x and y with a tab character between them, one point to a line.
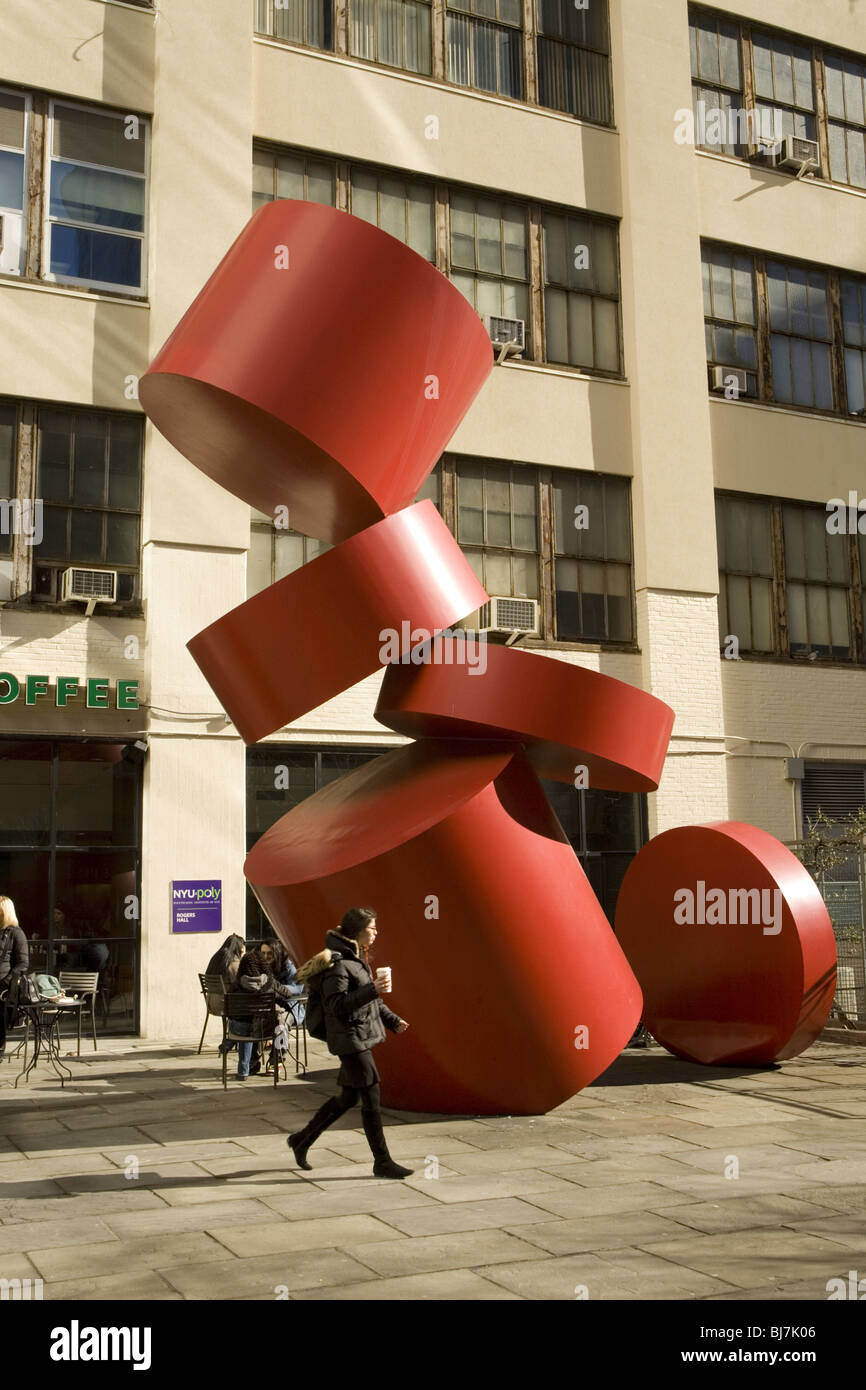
196	904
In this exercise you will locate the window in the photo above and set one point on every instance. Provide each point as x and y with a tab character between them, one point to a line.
787	585
14	111
581	279
606	830
845	87
489	255
854	333
274	553
89	481
785	84
566	292
291	176
308	22
729	309
497	525
744	532
717	76
592	549
818	580
396	33
96	198
573	59
518	527
794	86
485	40
806	347
800	335
402	206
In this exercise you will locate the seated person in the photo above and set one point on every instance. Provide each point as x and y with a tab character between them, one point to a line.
224	962
285	973
255	976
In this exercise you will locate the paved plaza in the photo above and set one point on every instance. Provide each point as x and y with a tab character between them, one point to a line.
143	1179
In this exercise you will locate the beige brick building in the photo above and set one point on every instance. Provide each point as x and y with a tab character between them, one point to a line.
692	372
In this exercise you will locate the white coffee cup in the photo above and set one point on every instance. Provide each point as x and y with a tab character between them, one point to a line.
383	978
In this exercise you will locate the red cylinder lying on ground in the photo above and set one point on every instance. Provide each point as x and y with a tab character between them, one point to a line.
515	988
323	367
755	989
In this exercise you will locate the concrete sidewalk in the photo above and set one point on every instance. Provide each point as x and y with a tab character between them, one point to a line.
142	1179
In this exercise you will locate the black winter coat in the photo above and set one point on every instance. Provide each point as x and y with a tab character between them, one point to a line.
355	1015
14	952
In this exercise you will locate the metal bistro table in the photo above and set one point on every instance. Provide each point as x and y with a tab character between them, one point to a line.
44	1018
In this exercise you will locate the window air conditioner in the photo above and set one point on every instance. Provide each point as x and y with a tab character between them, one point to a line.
733	382
89	586
795	154
509	615
509	335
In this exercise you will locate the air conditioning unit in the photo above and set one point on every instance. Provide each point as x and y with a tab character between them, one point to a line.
509	335
795	154
733	382
89	586
509	615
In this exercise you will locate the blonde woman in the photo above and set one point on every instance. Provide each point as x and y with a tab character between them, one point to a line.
14	956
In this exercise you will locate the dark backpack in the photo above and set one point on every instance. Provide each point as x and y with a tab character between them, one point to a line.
315	1016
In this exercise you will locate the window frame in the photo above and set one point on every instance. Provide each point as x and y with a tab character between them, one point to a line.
25	468
764	333
49	221
24	211
855	587
545	479
819	54
497	26
303	44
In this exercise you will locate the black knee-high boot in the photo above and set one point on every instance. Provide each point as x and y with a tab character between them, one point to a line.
383	1164
326	1115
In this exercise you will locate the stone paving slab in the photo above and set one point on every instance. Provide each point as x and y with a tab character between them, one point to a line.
622	1189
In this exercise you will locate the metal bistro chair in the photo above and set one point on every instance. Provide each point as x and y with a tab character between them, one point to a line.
213	988
261	1010
83	983
299	1030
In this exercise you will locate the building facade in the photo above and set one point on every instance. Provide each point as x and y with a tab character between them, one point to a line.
669	198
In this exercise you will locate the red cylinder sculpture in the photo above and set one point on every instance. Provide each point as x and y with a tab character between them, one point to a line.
318	631
323	368
503	961
750	990
564	715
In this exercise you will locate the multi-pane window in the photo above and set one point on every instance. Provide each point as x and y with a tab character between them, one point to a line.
806	347
581	294
592	549
784	85
497	525
800	335
14	108
567	297
309	22
845	88
768	85
89	481
788	584
729	310
717	79
573	48
396	33
276	552
853	297
291	176
817	584
489	254
96	198
745	543
485	45
402	206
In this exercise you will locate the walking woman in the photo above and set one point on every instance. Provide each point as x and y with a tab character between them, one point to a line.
14	956
355	1019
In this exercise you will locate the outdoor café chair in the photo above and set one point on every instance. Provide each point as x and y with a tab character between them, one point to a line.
213	988
262	1011
84	983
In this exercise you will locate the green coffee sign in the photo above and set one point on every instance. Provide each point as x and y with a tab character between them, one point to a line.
93	691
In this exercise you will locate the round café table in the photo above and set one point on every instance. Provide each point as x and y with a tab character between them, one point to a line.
44	1019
